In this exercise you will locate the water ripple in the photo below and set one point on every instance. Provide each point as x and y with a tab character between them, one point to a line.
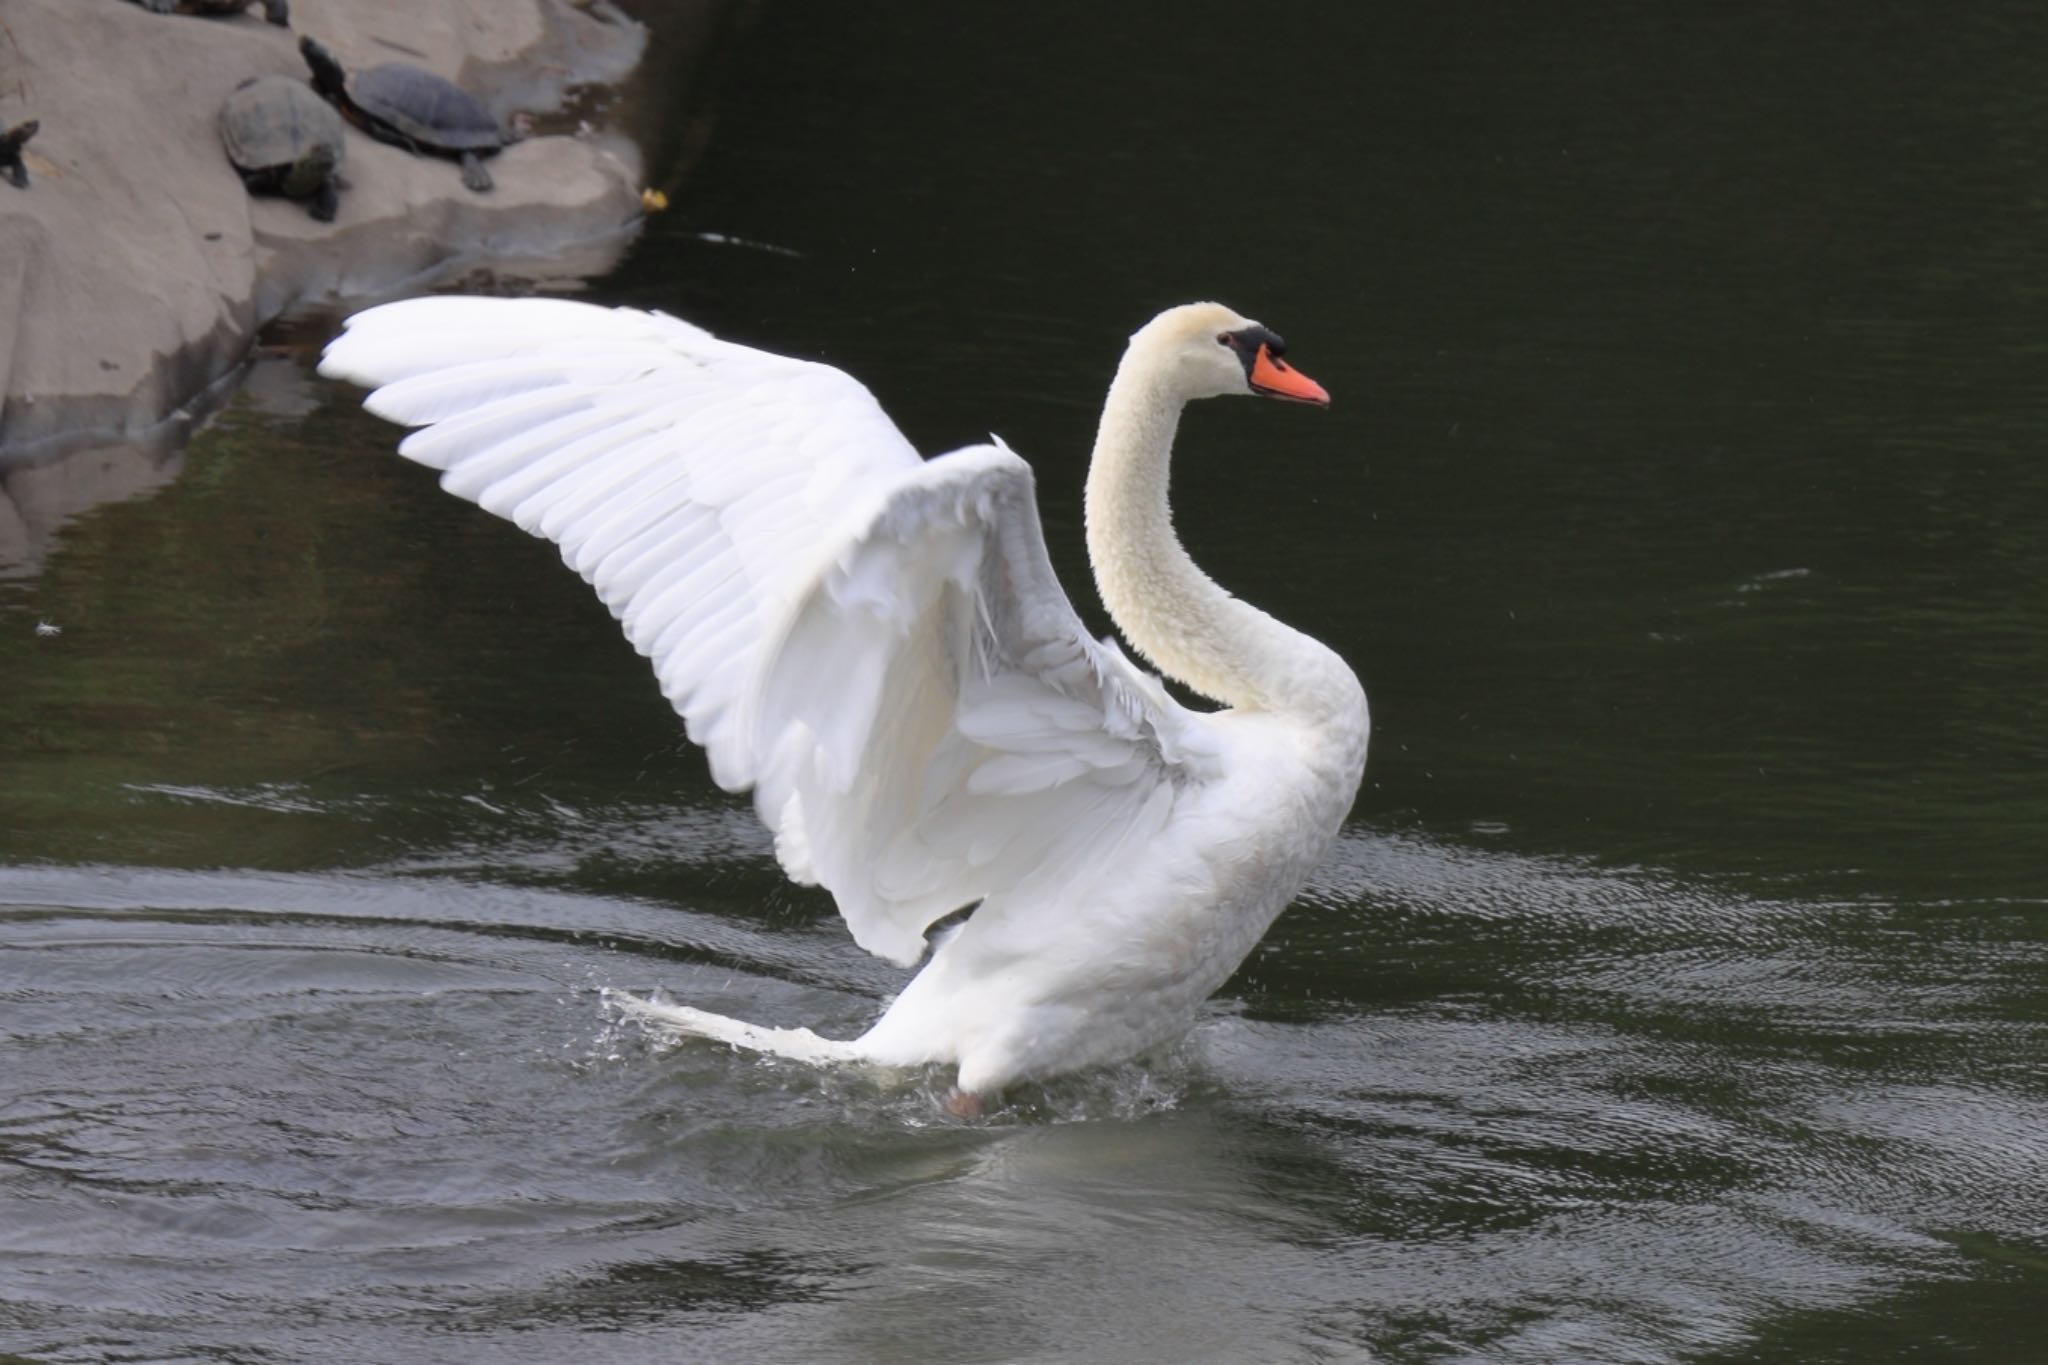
329	1116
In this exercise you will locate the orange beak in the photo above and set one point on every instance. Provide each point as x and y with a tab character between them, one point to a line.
1276	379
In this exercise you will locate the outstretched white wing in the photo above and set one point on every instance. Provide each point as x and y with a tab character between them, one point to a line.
874	642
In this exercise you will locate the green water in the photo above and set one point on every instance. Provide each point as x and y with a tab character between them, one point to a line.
1677	992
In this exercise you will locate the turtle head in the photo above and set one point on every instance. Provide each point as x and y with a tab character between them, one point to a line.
328	77
311	171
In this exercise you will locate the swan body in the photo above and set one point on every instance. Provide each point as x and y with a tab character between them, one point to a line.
876	645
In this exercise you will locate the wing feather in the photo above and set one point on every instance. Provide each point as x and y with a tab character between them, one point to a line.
873	642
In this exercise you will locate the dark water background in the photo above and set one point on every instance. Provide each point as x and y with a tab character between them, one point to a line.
1677	993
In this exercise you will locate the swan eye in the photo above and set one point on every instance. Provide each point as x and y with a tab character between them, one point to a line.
1224	339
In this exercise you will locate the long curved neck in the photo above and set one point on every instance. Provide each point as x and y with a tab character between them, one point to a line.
1170	611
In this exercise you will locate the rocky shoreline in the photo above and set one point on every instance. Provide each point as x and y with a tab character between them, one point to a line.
135	271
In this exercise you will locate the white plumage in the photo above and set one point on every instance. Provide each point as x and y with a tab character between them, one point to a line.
877	646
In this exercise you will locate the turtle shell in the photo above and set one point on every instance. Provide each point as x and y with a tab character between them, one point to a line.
273	122
421	107
276	11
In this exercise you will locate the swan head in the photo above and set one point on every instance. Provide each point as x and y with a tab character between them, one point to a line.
1204	350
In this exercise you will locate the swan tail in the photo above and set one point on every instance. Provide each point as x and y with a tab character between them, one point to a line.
797	1044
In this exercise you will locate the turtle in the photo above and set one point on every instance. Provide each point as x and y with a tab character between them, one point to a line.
12	169
284	139
411	107
276	11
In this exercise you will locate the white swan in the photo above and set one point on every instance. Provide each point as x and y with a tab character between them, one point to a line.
876	644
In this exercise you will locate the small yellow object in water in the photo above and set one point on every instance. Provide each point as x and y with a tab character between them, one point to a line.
653	201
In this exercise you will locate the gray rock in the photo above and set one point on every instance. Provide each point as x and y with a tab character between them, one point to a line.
135	273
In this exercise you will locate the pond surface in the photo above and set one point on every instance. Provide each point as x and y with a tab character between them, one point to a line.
1678	991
